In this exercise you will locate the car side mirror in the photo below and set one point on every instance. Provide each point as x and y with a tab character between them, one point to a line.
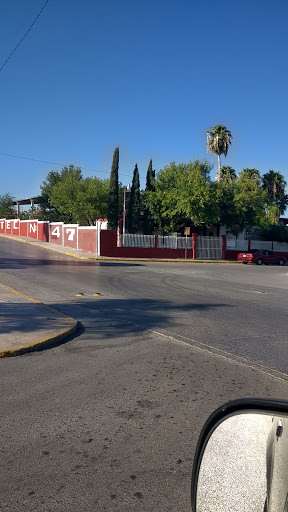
241	460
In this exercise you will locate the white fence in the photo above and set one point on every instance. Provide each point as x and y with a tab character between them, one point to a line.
163	242
167	242
209	248
174	242
131	240
242	245
281	247
270	246
184	242
237	245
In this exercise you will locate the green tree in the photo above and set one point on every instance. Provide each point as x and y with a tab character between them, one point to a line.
113	200
249	199
182	192
134	203
241	202
227	174
6	207
218	142
48	210
229	214
148	222
275	233
274	185
251	174
83	200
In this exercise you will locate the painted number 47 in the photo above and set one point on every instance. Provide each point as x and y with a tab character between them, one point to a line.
72	233
56	231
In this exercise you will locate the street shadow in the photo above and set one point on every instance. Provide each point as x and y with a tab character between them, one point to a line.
103	321
21	263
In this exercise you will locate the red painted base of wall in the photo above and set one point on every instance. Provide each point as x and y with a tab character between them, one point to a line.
43	231
87	239
56	233
23	227
108	247
231	254
15	227
70	235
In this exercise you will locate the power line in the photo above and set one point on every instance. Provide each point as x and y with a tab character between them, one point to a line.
56	163
26	33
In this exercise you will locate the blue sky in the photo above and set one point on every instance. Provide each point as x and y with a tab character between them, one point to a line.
151	77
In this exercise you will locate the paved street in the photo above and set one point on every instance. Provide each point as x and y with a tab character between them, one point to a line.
109	419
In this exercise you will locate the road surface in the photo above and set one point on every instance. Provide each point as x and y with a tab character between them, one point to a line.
109	420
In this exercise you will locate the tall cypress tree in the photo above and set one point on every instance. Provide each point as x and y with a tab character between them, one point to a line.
134	203
113	201
148	222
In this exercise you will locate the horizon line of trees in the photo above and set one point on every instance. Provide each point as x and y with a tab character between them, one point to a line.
174	197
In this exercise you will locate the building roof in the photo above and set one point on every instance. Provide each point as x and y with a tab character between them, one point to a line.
35	199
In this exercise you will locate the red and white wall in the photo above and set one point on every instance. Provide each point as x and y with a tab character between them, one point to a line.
83	238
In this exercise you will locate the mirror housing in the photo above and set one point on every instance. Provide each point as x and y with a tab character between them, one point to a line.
228	410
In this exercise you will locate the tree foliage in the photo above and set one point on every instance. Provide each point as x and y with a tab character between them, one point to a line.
274	185
48	210
68	197
182	192
113	200
6	206
134	203
249	200
83	200
148	221
227	174
218	142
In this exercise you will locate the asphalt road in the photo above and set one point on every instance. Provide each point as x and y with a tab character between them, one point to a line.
109	420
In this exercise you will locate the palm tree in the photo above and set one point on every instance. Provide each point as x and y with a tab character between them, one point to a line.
274	186
227	174
218	141
251	174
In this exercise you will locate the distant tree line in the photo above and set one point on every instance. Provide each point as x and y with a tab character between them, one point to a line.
185	191
177	195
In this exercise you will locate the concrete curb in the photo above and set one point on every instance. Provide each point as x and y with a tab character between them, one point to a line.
108	258
44	341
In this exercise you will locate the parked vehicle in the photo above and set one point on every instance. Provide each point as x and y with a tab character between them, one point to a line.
260	256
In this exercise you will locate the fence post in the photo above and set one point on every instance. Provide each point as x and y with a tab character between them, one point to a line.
155	241
249	244
223	247
194	245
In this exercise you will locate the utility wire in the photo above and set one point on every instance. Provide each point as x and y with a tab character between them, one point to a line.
56	163
26	33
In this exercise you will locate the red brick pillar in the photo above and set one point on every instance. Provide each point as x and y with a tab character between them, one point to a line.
194	245
223	247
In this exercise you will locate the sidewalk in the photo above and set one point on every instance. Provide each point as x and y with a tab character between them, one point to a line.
26	324
87	256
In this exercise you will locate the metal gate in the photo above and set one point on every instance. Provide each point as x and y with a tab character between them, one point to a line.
209	248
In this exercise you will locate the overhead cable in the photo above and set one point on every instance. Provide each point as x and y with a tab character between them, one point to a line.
27	32
56	163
